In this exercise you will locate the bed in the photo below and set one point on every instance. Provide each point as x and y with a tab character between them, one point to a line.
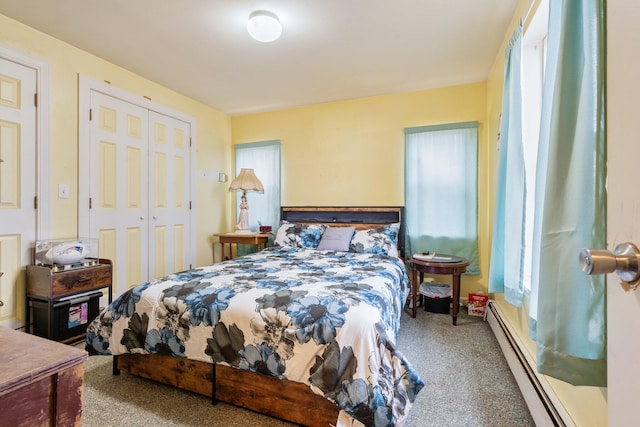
304	331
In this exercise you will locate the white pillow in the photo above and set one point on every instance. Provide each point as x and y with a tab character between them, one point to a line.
299	235
382	240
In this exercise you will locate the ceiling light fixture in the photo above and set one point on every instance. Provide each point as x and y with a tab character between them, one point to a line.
264	26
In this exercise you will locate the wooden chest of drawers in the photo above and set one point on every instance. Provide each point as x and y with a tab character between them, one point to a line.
61	303
41	381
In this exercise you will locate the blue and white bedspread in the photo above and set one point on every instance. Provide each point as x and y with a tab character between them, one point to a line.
326	319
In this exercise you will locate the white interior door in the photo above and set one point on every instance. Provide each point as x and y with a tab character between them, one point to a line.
17	185
623	217
169	204
118	196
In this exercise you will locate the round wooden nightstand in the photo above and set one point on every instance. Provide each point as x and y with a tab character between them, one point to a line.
440	264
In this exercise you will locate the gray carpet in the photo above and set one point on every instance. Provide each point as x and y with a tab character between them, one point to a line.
468	383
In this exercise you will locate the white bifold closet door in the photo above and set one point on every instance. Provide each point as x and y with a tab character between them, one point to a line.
139	189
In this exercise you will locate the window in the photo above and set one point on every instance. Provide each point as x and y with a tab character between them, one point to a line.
534	47
441	190
264	159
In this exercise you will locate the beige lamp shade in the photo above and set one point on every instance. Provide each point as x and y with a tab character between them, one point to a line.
246	181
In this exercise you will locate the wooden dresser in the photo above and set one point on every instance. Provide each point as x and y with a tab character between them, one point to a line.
41	381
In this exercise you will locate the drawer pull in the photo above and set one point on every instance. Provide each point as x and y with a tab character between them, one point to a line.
84	279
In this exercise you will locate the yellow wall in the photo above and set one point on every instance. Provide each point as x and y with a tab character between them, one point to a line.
66	63
351	153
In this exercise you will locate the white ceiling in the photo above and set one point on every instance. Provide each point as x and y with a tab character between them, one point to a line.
330	49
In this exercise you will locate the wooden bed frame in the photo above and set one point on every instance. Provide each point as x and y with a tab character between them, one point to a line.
360	217
287	400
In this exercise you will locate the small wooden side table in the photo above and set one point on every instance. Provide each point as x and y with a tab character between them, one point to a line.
259	239
441	264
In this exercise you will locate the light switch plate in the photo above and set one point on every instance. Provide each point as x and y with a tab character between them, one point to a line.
63	191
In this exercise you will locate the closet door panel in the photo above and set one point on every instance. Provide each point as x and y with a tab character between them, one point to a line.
118	189
169	202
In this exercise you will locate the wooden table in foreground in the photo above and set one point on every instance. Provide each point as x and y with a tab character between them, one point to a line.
438	267
41	381
259	239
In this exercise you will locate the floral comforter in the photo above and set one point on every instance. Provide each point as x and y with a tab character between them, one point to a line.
326	319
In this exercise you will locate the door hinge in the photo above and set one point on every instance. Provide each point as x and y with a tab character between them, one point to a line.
190	205
190	142
35	202
90	202
90	114
35	100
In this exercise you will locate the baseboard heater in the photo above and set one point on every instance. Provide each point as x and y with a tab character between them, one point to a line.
544	405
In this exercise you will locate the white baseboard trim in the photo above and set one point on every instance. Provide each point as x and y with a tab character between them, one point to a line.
544	406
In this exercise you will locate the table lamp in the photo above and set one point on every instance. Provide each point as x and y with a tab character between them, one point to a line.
245	181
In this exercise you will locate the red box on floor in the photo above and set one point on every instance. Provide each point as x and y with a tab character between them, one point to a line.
478	304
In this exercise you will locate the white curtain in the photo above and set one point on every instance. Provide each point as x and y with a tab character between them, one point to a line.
441	206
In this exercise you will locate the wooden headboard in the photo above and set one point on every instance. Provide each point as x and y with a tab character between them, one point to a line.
361	217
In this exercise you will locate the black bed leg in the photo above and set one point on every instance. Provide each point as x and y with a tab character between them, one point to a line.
214	399
116	370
